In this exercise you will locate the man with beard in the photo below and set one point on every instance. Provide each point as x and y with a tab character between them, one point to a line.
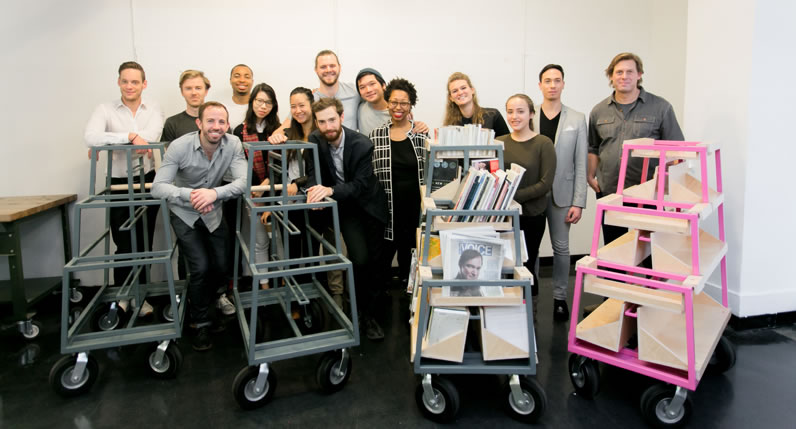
345	159
327	67
189	179
193	86
241	78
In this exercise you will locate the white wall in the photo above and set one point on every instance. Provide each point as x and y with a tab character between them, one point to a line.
61	61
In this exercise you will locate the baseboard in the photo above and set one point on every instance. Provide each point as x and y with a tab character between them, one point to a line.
759	310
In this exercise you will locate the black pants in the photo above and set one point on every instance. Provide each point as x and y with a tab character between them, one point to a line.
206	259
403	242
533	228
364	235
124	239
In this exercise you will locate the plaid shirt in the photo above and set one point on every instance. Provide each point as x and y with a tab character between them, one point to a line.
260	163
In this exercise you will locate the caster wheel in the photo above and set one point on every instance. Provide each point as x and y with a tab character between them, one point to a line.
33	332
530	407
102	320
244	388
166	313
585	376
445	404
723	358
75	295
311	318
331	375
169	365
654	401
74	313
62	381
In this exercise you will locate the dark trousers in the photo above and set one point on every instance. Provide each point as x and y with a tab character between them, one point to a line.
533	228
403	241
206	259
364	235
124	239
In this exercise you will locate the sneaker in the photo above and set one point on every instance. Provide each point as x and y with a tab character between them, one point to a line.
202	340
373	330
146	309
225	305
560	310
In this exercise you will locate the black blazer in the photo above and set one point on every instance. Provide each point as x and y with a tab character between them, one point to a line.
361	187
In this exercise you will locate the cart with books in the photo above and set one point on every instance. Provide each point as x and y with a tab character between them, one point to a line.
656	321
469	269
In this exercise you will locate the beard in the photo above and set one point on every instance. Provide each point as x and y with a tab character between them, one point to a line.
332	135
325	81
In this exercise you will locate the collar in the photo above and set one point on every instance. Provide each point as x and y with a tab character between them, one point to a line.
411	130
642	96
342	141
117	103
197	142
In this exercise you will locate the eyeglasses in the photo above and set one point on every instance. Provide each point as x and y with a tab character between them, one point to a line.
402	104
260	102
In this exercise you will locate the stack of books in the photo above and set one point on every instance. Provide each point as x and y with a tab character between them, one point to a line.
482	190
466	135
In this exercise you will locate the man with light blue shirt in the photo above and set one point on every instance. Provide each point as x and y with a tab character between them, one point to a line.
189	179
327	67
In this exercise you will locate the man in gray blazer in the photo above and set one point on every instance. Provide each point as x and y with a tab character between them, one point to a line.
567	129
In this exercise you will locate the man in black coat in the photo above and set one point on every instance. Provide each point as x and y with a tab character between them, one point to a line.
345	159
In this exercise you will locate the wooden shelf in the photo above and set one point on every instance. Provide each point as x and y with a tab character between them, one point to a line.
670	154
661	334
660	299
607	326
672	254
627	249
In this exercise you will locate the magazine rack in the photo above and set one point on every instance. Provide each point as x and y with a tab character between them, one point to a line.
295	289
103	323
437	397
677	326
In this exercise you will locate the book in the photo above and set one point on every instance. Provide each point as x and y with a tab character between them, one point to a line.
444	172
472	255
490	164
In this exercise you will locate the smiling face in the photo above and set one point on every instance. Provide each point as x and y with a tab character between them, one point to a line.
518	114
370	89
241	80
213	124
131	84
460	92
300	108
328	69
262	105
329	123
551	84
194	91
625	77
399	105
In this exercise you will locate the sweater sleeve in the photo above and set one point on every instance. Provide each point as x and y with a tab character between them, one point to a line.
547	171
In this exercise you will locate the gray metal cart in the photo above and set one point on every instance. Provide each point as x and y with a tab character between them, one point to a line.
436	395
103	323
295	289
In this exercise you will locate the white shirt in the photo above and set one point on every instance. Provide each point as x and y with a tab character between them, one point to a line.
111	123
237	113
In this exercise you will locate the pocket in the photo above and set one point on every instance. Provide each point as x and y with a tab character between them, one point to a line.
606	128
644	126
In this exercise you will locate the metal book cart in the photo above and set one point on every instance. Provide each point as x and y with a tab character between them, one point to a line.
436	396
656	321
295	290
103	323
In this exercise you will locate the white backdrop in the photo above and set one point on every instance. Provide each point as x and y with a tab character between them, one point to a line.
61	58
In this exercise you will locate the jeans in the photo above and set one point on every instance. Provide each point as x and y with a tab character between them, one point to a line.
206	259
559	239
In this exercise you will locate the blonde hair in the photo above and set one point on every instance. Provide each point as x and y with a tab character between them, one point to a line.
190	74
623	57
453	116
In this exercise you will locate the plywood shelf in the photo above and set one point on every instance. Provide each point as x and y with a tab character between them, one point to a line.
662	339
607	326
627	249
672	254
660	299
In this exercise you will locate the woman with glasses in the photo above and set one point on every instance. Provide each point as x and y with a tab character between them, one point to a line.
260	122
399	155
462	107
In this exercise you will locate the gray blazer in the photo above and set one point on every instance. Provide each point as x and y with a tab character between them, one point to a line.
572	148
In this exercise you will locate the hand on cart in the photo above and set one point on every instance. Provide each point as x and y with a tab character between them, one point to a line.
202	199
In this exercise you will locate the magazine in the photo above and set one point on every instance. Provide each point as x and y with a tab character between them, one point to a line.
472	255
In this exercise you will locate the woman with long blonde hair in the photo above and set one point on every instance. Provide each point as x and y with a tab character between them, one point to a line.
463	108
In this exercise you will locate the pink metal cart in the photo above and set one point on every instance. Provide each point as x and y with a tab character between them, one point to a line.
656	321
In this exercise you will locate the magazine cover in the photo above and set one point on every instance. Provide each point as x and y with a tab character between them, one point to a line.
471	257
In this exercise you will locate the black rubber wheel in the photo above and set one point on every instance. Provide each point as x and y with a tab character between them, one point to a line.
446	401
311	318
101	321
723	358
169	365
585	376
61	380
244	384
330	376
35	330
531	406
653	407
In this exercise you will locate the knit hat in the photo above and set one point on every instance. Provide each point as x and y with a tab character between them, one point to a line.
366	71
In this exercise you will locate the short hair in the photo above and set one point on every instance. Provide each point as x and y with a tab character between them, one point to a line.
132	65
326	52
210	104
401	85
232	70
469	254
325	103
622	57
190	74
551	66
528	101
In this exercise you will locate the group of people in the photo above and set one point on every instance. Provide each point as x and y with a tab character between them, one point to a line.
372	157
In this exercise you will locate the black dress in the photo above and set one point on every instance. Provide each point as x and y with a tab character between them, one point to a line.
406	200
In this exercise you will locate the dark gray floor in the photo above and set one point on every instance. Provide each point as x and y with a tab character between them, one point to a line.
758	392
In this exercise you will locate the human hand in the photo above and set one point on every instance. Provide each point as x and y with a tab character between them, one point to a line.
573	215
96	156
277	138
292	189
421	127
264	218
593	184
138	140
202	198
318	193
